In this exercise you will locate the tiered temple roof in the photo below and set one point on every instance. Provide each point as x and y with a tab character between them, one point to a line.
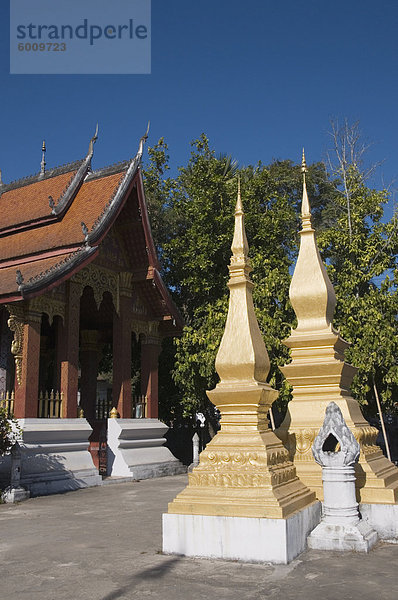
53	224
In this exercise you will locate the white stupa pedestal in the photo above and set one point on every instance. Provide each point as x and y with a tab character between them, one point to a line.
240	538
357	536
341	527
136	449
383	518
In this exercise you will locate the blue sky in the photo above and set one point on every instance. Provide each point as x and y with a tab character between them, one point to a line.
261	78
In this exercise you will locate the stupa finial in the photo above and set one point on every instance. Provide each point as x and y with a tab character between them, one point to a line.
242	355
311	292
305	205
239	247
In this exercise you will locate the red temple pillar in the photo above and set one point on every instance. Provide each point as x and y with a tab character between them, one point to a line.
89	359
150	350
26	350
121	389
69	351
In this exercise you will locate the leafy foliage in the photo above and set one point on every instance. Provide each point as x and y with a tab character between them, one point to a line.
9	432
192	219
366	313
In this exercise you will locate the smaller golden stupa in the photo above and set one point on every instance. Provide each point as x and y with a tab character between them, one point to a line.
319	376
244	471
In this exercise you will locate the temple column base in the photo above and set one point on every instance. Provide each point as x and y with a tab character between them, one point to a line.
245	539
55	456
136	450
383	518
359	537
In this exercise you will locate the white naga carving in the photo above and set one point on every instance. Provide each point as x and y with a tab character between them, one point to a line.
336	450
334	425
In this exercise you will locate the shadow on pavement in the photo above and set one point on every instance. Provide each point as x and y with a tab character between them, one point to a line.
151	573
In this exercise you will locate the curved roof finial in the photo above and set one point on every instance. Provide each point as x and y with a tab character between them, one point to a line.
143	140
92	142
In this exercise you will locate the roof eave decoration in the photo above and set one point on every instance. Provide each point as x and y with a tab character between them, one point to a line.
112	208
70	192
56	273
152	254
172	308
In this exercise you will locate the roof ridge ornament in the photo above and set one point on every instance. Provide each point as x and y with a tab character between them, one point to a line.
43	160
19	278
92	142
84	230
142	141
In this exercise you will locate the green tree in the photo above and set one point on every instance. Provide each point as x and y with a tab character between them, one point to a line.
196	253
194	212
360	248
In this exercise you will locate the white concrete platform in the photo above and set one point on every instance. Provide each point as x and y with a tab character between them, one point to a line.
14	494
383	518
240	538
55	456
359	537
135	449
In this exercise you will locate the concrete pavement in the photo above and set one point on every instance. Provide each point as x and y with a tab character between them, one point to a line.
105	544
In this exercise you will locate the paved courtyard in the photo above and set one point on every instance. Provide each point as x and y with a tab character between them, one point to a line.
105	544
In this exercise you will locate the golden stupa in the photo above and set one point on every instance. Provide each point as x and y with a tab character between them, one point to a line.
244	471
319	375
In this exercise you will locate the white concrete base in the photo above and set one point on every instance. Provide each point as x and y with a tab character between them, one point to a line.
329	536
383	518
55	456
14	494
135	449
240	538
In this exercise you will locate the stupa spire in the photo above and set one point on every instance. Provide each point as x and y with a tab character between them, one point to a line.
319	375
242	354
244	471
305	205
311	292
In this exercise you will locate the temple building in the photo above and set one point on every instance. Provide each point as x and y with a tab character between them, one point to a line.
78	272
